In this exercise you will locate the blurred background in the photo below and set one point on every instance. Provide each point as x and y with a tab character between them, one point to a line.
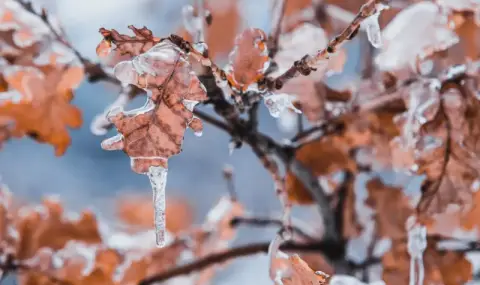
89	177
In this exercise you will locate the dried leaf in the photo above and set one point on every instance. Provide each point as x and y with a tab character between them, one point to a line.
150	135
450	268
47	226
220	35
443	132
137	211
301	274
420	25
295	45
392	208
41	108
248	60
324	158
142	41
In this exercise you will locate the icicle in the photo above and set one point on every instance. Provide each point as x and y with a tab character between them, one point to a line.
158	180
417	243
273	251
372	27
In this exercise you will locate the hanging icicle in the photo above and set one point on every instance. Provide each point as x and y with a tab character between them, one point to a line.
417	243
158	180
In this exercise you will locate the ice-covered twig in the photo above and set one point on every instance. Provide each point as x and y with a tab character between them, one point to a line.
279	184
308	63
416	245
158	181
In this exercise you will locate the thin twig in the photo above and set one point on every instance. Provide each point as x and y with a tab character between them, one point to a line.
94	70
307	64
261	222
241	251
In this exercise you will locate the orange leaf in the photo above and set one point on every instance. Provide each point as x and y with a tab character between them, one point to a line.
249	58
138	44
42	109
154	133
137	211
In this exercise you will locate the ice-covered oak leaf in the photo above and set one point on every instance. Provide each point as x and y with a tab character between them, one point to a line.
417	31
300	273
384	200
324	158
307	39
50	226
153	133
141	42
442	129
248	59
41	107
220	38
449	268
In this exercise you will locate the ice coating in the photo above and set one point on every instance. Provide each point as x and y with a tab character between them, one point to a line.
278	103
158	181
416	245
372	27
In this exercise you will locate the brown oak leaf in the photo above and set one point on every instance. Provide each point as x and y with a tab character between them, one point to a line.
220	35
41	108
392	208
136	210
142	41
154	133
300	273
448	268
249	59
442	129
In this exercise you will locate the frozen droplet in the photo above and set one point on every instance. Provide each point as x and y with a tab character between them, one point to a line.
475	185
231	147
372	27
278	103
158	181
425	67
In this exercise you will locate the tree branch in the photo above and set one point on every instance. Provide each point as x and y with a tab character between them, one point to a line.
261	222
306	65
241	251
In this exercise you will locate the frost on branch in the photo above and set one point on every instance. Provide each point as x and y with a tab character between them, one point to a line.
372	26
307	39
279	103
218	233
445	134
